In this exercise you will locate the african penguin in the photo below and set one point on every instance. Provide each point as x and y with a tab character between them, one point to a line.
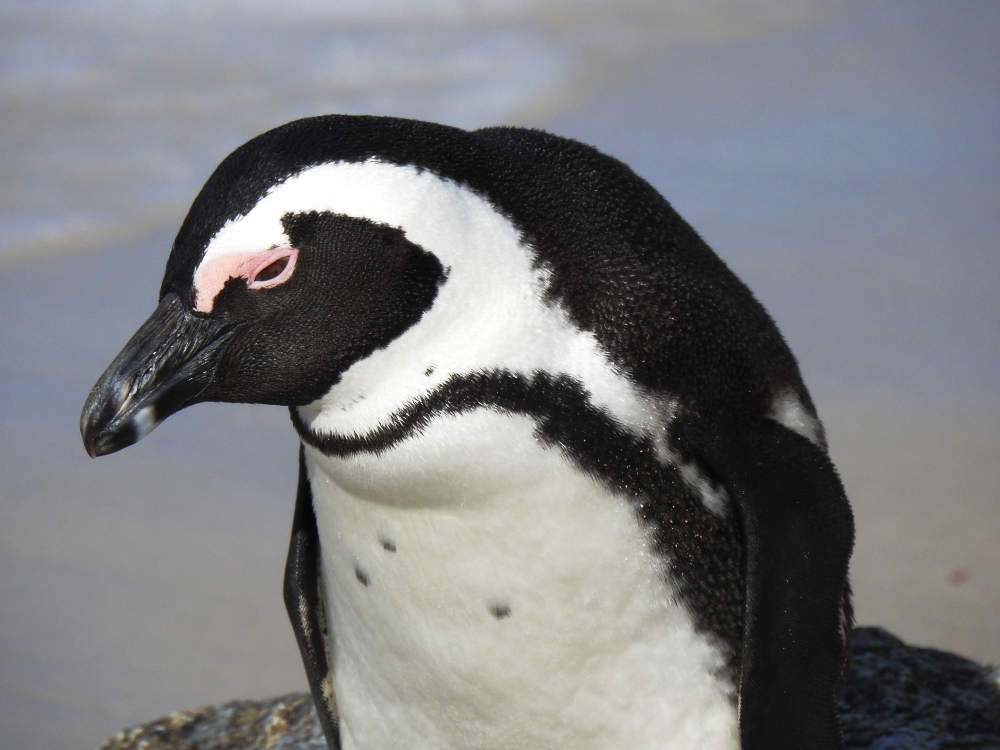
561	484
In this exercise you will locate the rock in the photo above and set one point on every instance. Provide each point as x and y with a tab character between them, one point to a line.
285	723
895	697
898	697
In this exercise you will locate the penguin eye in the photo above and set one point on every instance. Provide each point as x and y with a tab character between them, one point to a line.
271	271
268	269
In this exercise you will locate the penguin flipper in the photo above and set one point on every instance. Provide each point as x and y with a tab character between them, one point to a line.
798	533
304	602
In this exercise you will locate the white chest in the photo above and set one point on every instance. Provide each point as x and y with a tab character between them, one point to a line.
482	593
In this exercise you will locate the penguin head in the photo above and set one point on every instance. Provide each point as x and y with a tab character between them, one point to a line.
327	248
291	266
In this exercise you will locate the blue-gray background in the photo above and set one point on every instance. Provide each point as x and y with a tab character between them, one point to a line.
843	157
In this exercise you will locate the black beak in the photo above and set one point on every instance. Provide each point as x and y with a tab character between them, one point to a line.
167	365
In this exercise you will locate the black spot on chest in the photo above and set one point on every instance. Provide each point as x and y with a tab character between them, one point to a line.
500	611
361	575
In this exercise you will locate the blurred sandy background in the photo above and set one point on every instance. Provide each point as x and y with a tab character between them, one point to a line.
843	157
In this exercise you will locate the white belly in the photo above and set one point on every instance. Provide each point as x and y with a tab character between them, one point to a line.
482	593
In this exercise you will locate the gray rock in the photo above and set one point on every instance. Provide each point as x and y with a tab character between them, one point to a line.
898	697
895	697
285	723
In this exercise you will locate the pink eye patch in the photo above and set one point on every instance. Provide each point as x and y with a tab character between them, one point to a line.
262	270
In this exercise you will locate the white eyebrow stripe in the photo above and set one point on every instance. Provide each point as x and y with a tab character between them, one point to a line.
491	314
491	305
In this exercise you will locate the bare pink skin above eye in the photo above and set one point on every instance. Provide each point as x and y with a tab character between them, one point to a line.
213	275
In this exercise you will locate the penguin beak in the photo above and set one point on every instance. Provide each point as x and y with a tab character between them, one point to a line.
167	365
